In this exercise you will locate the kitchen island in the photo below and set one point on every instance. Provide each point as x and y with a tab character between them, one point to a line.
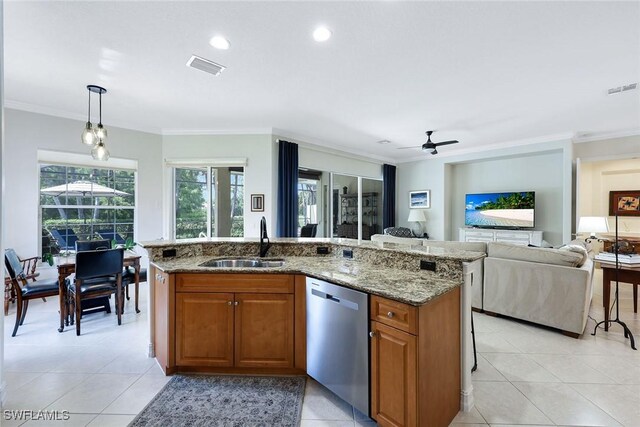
252	320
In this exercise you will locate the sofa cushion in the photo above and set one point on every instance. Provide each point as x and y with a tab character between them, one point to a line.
540	255
398	232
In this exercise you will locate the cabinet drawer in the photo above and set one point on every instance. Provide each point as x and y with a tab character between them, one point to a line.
238	283
399	315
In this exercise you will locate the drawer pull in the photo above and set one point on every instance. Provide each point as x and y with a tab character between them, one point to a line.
228	302
390	314
372	334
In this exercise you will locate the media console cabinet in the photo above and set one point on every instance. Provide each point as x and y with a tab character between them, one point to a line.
516	237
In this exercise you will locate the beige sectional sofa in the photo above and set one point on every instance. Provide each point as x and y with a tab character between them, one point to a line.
551	287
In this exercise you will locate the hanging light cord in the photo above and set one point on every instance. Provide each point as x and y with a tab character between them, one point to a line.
100	97
89	109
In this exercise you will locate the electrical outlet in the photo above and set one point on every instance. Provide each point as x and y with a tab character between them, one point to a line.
427	265
347	253
322	250
168	253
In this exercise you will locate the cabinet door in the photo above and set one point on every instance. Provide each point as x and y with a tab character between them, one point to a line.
264	330
393	376
204	329
162	320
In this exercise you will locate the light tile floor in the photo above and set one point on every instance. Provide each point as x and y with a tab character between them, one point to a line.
526	375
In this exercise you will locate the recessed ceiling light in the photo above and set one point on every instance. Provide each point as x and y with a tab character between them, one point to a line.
384	141
219	42
321	34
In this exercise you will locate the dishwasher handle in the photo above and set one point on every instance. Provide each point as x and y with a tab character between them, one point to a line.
344	302
324	295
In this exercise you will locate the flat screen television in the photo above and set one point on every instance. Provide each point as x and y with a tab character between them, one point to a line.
500	210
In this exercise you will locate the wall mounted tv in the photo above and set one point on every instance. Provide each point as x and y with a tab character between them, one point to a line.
500	210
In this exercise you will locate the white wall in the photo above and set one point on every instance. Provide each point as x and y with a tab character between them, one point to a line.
597	179
440	175
2	204
259	172
26	133
538	172
424	175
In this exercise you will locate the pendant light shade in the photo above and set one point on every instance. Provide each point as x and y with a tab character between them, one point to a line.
95	137
100	152
89	136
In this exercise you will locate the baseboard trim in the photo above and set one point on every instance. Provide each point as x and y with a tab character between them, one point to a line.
3	393
151	351
466	400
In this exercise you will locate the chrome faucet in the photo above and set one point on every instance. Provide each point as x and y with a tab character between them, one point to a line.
264	247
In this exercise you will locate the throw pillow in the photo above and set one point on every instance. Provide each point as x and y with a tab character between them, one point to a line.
579	249
398	232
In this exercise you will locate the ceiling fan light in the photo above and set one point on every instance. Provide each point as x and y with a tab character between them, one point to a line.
100	152
88	135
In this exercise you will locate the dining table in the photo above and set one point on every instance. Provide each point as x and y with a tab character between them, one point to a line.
66	265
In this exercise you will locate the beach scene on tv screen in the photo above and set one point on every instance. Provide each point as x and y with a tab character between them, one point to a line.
500	209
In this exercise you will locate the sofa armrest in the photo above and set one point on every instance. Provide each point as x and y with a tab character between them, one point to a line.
551	295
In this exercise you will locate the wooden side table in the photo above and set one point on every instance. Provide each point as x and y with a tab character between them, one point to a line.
628	273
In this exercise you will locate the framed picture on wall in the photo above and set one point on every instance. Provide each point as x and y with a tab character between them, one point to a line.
420	199
624	203
257	203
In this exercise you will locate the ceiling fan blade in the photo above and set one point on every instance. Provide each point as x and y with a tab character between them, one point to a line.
404	148
446	142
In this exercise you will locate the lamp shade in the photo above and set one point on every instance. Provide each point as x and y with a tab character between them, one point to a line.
593	224
416	215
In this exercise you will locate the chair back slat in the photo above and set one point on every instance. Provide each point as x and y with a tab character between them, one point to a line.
90	264
92	245
13	264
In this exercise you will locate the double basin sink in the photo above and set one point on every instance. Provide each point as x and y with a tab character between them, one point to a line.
244	263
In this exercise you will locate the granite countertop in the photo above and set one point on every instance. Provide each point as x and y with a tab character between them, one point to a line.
442	253
411	287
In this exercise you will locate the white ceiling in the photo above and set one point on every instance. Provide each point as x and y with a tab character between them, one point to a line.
484	73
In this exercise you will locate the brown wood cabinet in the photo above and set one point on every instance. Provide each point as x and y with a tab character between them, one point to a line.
415	361
264	330
204	329
225	322
393	376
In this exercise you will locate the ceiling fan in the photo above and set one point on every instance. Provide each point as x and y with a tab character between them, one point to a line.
431	146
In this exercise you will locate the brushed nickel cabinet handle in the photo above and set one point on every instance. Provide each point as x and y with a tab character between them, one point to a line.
236	303
228	302
390	314
372	334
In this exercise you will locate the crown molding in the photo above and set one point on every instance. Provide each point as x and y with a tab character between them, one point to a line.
247	131
599	136
330	148
55	112
484	149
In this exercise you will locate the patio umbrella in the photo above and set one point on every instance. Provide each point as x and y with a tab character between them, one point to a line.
80	189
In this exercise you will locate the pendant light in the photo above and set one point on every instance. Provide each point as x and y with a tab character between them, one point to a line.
95	137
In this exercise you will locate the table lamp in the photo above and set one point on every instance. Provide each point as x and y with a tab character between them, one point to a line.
593	225
417	217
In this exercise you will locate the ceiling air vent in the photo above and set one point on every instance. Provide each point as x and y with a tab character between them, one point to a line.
623	88
205	65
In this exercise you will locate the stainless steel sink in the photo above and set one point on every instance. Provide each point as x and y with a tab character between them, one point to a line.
243	263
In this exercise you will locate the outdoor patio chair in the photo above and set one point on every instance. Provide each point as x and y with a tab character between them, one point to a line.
309	230
23	289
111	235
66	238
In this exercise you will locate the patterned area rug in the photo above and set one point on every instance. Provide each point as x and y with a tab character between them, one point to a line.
225	400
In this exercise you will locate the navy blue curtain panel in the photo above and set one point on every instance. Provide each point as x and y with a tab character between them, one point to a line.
287	189
388	196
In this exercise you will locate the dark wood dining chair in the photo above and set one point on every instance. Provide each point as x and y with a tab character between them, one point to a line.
23	289
98	274
94	304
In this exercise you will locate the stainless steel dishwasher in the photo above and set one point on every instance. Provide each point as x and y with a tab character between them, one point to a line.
338	341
